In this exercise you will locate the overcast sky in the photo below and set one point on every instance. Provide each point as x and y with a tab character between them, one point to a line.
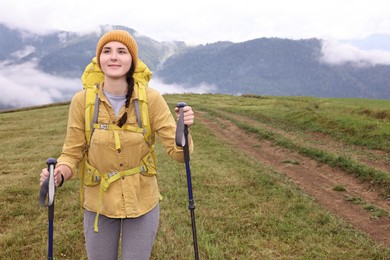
194	22
206	21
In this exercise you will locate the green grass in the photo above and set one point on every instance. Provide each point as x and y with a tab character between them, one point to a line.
375	211
243	210
339	187
335	117
362	122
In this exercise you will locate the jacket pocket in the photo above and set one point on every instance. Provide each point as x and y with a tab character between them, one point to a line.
91	176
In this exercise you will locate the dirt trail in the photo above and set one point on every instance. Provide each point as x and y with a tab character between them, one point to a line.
378	160
314	178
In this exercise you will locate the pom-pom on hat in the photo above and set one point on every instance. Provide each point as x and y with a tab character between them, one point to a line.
118	36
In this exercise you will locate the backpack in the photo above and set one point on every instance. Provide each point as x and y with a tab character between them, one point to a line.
93	76
89	176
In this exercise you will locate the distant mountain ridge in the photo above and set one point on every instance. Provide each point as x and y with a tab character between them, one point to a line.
273	66
263	66
67	53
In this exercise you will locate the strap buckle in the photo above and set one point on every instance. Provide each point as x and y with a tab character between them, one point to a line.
104	126
143	168
111	174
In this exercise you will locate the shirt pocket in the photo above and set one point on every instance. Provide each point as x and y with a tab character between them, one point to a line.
102	137
131	138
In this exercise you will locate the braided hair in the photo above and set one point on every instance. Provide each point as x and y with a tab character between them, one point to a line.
130	88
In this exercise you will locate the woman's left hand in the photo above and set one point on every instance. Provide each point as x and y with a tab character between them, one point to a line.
188	115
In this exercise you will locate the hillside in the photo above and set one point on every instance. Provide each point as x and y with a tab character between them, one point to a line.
66	53
281	177
263	66
272	66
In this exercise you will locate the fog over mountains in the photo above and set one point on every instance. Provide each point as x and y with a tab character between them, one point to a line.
40	69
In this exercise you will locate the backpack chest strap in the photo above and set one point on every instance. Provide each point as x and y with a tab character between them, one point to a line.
115	129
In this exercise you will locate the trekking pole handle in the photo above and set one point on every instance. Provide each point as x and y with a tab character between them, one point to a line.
181	128
180	105
51	164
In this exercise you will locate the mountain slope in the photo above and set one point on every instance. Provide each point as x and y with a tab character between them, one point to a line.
272	66
264	66
67	54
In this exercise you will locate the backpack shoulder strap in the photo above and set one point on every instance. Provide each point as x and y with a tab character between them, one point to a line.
142	76
91	111
138	113
144	121
91	79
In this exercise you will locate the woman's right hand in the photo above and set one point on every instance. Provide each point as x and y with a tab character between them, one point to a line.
44	175
61	173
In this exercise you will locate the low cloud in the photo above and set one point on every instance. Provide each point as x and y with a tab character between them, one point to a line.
163	88
336	53
24	52
24	85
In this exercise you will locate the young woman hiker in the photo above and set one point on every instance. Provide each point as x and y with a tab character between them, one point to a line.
120	191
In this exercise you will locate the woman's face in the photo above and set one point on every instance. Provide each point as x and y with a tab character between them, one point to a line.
115	60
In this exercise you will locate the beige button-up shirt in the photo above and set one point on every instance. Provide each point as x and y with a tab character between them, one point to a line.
134	195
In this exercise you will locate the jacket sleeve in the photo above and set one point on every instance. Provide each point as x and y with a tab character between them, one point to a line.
75	142
164	124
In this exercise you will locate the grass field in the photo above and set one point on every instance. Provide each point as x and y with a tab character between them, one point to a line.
356	122
243	209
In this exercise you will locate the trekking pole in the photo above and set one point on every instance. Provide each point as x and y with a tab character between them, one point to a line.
182	140
46	197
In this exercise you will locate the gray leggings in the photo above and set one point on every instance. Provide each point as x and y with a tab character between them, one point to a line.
138	235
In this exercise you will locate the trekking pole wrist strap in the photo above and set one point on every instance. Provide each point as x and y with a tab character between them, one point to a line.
62	180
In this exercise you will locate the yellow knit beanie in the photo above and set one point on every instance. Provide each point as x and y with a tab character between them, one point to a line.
122	37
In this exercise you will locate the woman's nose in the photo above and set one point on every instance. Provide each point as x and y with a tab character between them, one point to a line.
113	56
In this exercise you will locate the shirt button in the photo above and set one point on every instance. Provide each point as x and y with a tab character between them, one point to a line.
121	165
119	150
123	178
113	122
